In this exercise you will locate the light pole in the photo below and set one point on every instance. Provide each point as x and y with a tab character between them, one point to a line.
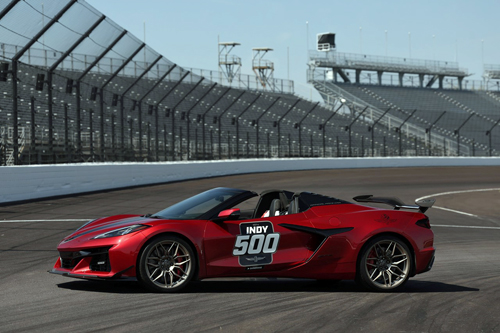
307	39
409	43
386	43
361	39
434	47
482	51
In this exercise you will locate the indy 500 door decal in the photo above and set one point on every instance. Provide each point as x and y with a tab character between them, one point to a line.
256	243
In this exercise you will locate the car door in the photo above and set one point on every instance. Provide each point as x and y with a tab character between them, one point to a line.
236	248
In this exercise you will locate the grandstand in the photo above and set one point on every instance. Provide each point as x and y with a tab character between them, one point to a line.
80	88
427	100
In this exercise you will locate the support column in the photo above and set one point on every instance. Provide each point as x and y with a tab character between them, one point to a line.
421	80
401	75
358	74
379	76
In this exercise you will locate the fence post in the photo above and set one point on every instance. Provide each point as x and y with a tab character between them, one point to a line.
66	134
180	143
33	127
165	142
91	135
385	154
248	145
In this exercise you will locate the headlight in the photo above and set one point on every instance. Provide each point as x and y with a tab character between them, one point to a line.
83	226
122	231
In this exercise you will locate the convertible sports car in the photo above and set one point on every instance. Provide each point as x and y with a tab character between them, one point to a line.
299	235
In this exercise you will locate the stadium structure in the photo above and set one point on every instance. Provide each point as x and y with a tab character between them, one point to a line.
76	87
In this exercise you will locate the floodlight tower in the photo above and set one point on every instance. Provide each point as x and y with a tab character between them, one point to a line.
229	64
264	69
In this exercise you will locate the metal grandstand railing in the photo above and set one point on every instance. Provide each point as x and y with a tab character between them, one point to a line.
243	81
492	72
411	80
362	61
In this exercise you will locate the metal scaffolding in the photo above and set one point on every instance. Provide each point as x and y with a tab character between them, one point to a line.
263	68
229	64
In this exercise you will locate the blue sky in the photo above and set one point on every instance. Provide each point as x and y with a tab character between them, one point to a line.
186	32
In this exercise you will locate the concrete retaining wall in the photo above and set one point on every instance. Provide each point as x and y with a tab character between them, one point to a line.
20	183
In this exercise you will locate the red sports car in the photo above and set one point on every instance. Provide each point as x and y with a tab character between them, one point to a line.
282	234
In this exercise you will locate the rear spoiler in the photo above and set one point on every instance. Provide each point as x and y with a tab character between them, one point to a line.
422	205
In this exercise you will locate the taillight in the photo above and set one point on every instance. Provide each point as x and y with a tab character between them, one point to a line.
424	223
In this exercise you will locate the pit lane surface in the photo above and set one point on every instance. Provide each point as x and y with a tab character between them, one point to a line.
460	293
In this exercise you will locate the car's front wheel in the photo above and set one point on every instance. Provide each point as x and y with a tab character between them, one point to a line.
166	264
385	264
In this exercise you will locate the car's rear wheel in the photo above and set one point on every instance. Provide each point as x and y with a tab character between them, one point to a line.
385	264
166	264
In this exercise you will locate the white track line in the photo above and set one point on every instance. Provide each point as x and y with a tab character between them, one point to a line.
31	221
454	211
463	226
457	192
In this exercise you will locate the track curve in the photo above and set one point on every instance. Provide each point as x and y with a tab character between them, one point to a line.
459	293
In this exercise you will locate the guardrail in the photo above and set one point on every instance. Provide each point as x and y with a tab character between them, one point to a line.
21	183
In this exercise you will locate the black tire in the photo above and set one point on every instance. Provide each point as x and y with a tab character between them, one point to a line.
166	264
384	264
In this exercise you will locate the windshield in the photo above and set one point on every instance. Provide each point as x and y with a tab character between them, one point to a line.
194	207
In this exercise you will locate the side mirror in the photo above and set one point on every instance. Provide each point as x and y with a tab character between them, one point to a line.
229	214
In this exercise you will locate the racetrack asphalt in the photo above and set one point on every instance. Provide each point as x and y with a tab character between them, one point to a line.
460	294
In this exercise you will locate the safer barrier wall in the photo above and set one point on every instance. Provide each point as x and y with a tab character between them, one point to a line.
19	183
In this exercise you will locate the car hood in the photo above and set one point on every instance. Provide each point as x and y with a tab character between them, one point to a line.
102	225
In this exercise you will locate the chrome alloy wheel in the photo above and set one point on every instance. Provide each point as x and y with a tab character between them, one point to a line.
387	264
168	264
